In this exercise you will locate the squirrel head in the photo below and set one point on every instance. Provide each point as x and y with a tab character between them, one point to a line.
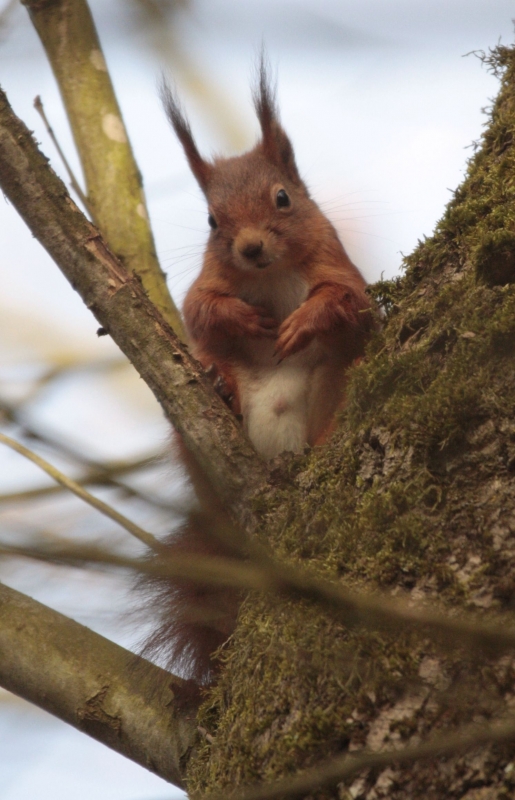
259	209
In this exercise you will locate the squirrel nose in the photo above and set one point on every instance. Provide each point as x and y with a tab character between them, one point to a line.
252	250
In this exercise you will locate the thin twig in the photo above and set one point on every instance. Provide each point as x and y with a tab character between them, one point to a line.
104	476
203	569
74	487
98	472
38	105
57	370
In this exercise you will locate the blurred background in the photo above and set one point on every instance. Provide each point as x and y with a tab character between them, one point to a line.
381	106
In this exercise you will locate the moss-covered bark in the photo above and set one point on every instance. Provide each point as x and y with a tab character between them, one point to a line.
414	495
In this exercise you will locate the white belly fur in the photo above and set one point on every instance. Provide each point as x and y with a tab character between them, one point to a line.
273	396
275	408
280	403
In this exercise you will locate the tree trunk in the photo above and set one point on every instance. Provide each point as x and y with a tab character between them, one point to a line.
415	495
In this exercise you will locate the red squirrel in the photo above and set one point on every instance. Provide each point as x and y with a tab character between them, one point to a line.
278	308
278	313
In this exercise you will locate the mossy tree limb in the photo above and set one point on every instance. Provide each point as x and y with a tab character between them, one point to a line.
120	304
414	495
121	700
114	186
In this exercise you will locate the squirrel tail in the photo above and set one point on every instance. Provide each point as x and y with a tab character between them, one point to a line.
191	620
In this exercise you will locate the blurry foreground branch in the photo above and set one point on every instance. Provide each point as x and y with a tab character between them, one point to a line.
270	577
79	491
261	573
121	700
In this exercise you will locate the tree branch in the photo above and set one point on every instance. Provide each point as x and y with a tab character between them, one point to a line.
118	698
118	301
114	185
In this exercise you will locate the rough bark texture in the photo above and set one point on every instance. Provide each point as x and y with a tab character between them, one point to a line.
414	495
113	182
119	302
93	684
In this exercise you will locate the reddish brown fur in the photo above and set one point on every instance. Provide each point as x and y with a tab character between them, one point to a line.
277	296
191	620
221	322
240	193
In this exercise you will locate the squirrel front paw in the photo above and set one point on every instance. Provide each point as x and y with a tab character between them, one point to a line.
225	386
294	335
254	321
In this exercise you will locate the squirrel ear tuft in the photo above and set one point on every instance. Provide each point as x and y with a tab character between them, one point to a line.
276	145
201	169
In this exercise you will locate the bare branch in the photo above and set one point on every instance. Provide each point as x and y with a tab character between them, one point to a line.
79	491
121	700
264	574
98	473
114	185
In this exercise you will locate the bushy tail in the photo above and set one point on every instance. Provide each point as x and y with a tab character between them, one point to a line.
192	620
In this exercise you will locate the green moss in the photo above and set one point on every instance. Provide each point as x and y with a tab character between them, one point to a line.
317	708
411	485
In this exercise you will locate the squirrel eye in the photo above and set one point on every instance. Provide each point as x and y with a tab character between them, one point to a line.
212	222
282	200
